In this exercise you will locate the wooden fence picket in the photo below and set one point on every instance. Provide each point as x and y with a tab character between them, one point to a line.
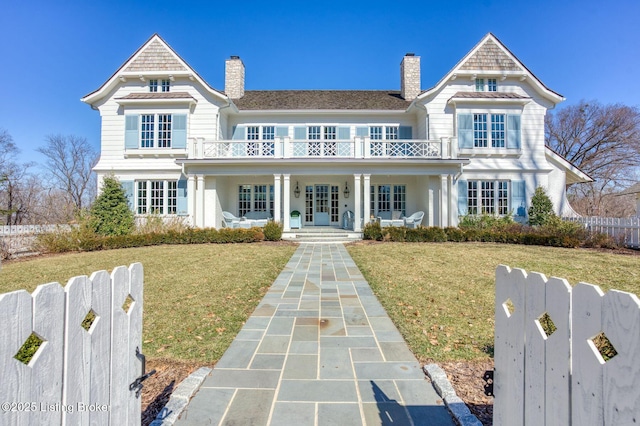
77	376
566	381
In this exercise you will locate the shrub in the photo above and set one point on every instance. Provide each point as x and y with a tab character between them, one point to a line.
372	231
393	233
541	208
272	231
485	221
110	213
455	234
154	223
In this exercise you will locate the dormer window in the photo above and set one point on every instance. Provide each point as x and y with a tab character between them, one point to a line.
490	86
153	85
166	85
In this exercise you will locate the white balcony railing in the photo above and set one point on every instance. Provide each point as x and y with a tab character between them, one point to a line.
287	148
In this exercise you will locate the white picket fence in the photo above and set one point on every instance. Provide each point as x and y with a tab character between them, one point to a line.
624	230
77	377
562	379
31	229
19	239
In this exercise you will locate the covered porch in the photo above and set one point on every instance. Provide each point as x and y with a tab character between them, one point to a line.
323	196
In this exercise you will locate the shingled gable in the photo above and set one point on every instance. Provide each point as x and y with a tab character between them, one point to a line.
155	56
491	56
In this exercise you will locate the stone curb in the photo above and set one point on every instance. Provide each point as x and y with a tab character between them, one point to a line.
180	398
456	406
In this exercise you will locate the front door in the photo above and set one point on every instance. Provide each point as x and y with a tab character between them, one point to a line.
321	204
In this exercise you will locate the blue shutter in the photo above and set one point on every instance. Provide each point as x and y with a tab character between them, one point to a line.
513	132
344	133
179	131
463	194
282	131
182	197
518	198
238	133
405	132
127	186
465	131
131	132
362	131
300	133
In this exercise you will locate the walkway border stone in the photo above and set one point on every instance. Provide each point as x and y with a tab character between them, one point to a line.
456	406
180	398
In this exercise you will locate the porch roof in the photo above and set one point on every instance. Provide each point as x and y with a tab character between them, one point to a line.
275	100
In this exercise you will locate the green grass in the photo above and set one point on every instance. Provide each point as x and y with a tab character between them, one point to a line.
441	295
196	297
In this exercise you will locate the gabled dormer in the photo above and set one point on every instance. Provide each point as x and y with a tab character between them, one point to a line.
150	73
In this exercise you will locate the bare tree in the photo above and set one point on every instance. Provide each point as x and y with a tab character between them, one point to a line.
604	142
69	161
18	188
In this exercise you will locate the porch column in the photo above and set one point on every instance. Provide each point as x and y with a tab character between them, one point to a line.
357	197
277	194
430	202
200	201
444	201
287	202
367	198
191	199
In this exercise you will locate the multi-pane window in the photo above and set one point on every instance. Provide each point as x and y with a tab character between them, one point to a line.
387	198
257	198
330	132
253	133
147	133
391	132
480	130
159	136
479	84
166	85
482	138
164	131
153	85
375	133
488	197
157	196
244	199
335	197
492	85
265	133
268	133
497	130
399	198
314	133
308	203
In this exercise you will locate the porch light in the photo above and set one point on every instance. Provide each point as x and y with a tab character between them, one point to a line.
296	191
346	190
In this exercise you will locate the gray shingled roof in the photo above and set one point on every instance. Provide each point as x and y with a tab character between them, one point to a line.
158	95
488	95
322	100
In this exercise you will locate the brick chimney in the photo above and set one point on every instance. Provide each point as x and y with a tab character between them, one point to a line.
410	76
234	77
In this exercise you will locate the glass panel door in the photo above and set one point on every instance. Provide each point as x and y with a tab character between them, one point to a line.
308	204
322	205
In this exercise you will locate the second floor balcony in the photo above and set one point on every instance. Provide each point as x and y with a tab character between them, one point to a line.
357	148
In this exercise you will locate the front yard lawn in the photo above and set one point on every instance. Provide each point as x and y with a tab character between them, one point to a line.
441	295
196	297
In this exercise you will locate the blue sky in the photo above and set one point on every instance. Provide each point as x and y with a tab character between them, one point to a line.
54	53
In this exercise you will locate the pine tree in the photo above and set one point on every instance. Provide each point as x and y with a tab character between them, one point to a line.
110	213
541	207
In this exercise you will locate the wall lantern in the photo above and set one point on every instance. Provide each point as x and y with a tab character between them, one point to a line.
296	191
346	190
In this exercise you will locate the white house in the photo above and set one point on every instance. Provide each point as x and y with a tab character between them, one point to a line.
473	143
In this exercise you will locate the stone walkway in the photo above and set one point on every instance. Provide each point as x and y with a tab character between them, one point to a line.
318	350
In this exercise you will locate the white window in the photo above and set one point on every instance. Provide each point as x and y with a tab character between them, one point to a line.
488	85
391	132
375	133
329	132
157	196
387	198
261	133
482	138
153	85
166	85
479	84
488	197
257	198
492	85
152	136
314	132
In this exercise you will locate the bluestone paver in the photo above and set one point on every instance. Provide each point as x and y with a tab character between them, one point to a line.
318	350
